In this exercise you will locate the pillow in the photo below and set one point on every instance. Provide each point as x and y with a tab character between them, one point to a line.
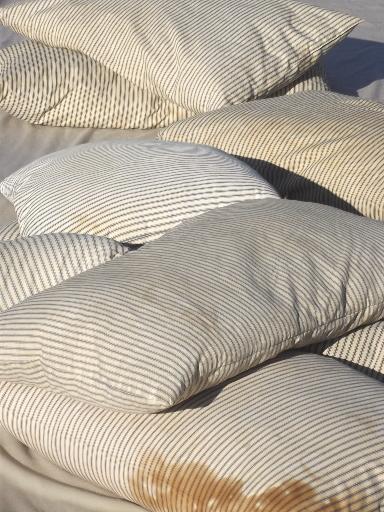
127	190
210	299
30	265
299	434
59	87
9	231
313	80
363	349
67	88
315	146
195	54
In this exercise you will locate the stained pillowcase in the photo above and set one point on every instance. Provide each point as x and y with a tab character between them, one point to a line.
127	190
230	449
60	87
33	264
313	146
215	296
194	54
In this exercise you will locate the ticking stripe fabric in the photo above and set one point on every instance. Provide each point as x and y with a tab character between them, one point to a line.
313	80
362	349
30	265
314	146
127	190
195	54
59	87
301	433
9	231
210	299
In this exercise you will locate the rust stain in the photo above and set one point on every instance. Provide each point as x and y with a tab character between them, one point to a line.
194	487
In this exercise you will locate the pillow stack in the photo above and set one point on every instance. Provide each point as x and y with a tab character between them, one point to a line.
84	364
234	287
194	327
67	88
162	374
164	61
313	146
302	433
70	89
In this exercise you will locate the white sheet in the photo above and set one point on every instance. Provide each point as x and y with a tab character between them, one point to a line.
356	66
28	483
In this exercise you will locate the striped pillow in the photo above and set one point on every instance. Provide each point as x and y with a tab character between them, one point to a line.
313	80
9	231
30	265
195	54
362	349
67	88
127	190
59	87
302	433
210	299
315	146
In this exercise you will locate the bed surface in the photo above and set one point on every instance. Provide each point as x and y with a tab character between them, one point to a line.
356	65
28	483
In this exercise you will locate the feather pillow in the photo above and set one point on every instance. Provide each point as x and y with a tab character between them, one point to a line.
301	433
60	87
312	146
30	265
195	54
215	296
127	190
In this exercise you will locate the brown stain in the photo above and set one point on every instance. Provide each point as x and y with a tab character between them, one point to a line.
194	487
82	223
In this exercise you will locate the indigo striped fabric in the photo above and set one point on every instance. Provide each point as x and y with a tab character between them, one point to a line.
300	434
210	299
30	265
59	87
362	349
9	231
195	54
313	146
127	190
